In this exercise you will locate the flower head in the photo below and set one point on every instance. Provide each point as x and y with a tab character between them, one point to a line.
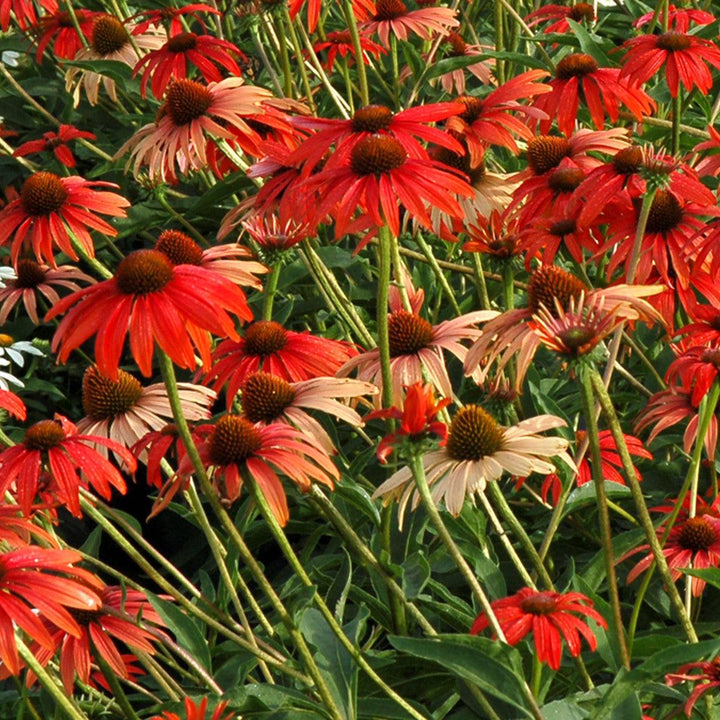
57	27
51	208
32	280
152	300
38	584
476	451
171	61
53	452
55	142
234	446
268	346
558	16
693	542
578	76
707	679
392	16
194	711
551	617
685	58
339	43
418	418
123	616
177	142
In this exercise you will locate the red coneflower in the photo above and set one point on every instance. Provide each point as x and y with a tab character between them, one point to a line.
374	120
173	17
23	11
197	712
118	618
36	584
551	617
269	347
679	19
339	43
683	55
490	120
454	81
58	28
418	418
55	142
707	679
234	446
558	16
693	542
66	459
170	61
392	16
152	300
602	89
377	176
51	208
695	369
32	279
177	140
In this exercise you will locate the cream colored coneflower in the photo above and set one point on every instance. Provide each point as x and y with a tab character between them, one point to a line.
125	411
478	450
110	39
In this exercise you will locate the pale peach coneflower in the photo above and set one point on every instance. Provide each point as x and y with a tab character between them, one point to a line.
110	39
176	142
30	279
268	399
392	16
555	297
416	346
476	451
231	260
454	81
125	411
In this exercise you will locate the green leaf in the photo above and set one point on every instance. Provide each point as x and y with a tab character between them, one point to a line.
416	573
449	64
515	57
585	495
118	71
495	668
589	45
185	630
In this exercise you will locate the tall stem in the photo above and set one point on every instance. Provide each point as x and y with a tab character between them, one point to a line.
270	290
168	372
319	603
383	293
603	513
359	55
644	516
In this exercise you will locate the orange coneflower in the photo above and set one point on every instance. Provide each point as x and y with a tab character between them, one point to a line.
57	27
55	142
268	346
67	461
152	300
234	446
339	43
50	209
197	712
393	16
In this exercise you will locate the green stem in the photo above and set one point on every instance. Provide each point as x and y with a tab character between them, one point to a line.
168	373
418	471
676	115
284	59
535	682
640	234
498	12
428	253
65	702
270	290
299	59
383	293
367	557
517	529
608	409
94	263
299	569
603	513
480	283
160	195
359	55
